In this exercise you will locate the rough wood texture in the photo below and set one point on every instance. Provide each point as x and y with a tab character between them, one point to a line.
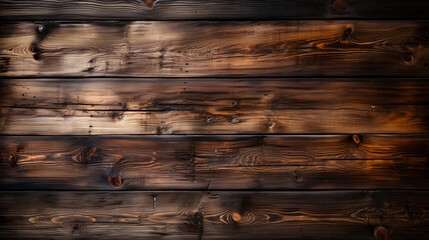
213	106
356	215
215	162
222	48
207	9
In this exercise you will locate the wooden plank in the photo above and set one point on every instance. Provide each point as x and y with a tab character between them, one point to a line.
360	215
215	162
219	9
213	106
220	48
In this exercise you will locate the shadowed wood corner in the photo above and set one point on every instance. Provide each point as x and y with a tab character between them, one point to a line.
193	119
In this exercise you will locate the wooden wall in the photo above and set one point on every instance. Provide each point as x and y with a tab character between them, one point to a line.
198	119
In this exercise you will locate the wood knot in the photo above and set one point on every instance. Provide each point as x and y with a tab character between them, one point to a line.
271	124
356	139
87	155
297	177
196	220
380	233
408	58
13	158
236	217
346	34
115	180
340	6
10	158
149	3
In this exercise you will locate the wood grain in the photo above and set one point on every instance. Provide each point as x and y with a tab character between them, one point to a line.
215	162
213	106
219	9
360	215
215	48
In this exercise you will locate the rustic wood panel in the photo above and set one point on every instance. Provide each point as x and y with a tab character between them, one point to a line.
356	215
220	48
215	162
213	106
204	9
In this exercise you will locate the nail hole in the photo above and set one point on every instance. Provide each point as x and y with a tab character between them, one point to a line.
40	28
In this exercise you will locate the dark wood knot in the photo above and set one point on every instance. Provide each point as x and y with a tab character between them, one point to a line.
196	219
149	3
297	176
356	139
346	34
380	233
408	58
115	180
87	155
341	6
11	159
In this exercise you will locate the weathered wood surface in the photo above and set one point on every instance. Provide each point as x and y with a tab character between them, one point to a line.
215	162
213	106
207	9
215	48
360	215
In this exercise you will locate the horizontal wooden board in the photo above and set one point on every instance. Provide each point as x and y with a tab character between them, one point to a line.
360	215
215	48
213	106
204	9
215	162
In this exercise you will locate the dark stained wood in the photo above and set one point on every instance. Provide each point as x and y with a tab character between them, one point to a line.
215	162
356	215
205	9
213	106
215	48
